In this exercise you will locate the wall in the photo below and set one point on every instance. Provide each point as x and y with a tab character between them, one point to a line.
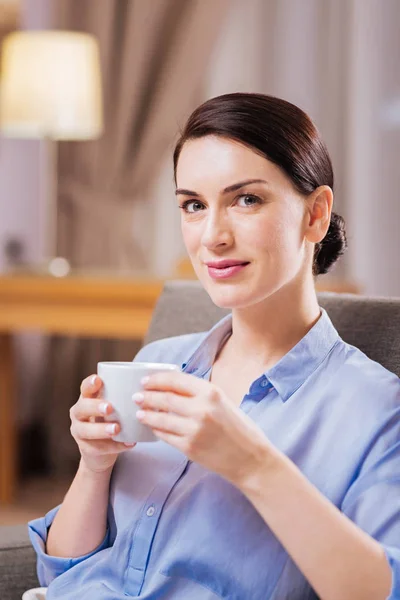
21	163
19	196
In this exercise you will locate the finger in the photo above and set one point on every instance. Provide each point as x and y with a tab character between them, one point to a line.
165	401
175	381
174	440
86	408
103	447
165	421
91	386
122	446
94	431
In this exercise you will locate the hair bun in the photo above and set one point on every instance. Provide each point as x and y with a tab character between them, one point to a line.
332	246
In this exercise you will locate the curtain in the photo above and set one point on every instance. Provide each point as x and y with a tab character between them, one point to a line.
153	57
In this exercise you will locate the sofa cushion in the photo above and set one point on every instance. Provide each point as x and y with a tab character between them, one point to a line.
17	562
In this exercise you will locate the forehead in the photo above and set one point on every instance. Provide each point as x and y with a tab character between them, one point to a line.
220	162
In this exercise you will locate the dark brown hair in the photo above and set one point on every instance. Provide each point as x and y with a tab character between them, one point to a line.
283	134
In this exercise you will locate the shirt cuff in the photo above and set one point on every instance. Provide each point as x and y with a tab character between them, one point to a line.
50	567
393	557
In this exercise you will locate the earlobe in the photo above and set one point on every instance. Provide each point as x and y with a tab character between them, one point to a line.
319	211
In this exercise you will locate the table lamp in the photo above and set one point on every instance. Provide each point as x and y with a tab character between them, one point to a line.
50	88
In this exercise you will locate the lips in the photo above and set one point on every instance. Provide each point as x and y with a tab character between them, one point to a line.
225	269
223	264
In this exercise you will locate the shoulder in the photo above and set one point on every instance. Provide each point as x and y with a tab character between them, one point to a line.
173	350
367	382
370	371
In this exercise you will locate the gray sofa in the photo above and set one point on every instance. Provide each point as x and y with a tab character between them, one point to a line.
372	324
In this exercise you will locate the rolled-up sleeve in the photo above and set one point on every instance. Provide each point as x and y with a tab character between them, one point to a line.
50	567
393	557
373	499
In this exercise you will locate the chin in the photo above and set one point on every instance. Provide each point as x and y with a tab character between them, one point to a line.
229	296
234	293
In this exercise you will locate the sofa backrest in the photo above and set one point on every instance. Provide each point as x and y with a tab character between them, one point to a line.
371	324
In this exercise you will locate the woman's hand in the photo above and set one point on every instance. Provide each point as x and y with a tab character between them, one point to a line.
92	434
198	419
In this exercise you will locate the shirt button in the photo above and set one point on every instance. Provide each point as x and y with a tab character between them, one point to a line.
150	511
264	383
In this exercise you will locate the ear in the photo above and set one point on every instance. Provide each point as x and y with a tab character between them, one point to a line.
319	209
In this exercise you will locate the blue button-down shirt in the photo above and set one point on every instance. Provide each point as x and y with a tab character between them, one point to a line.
178	531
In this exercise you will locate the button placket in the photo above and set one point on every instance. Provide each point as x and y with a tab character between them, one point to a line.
145	531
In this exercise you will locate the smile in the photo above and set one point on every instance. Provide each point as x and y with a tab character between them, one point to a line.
225	272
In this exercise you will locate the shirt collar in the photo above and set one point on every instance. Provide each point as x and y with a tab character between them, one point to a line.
204	355
290	372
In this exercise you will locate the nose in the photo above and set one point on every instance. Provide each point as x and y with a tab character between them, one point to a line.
217	231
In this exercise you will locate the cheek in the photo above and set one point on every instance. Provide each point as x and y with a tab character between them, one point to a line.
191	235
262	235
278	237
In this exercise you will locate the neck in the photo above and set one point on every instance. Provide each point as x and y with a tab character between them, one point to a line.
263	333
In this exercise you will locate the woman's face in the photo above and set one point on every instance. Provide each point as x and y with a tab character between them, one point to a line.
236	206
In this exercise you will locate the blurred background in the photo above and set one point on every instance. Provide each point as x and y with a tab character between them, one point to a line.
86	176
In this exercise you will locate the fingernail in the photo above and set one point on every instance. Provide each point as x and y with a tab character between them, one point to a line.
103	406
145	380
93	380
110	428
138	397
140	414
130	444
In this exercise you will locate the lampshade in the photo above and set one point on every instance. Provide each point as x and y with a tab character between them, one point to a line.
50	86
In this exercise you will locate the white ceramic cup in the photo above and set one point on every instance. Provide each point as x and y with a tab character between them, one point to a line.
121	380
35	594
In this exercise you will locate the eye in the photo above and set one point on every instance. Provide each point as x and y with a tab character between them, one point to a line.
195	206
248	200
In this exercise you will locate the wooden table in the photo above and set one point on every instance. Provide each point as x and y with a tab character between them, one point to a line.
84	306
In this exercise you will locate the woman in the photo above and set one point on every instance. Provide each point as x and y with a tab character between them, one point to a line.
277	473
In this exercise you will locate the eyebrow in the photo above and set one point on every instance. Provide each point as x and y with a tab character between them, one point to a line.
231	188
